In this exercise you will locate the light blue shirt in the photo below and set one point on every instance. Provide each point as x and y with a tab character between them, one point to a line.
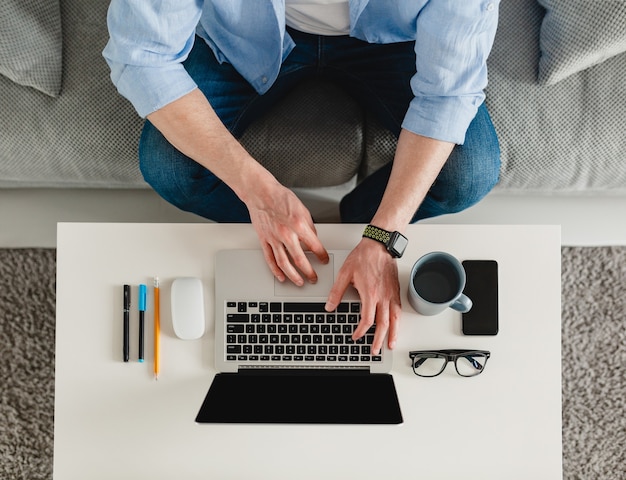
149	40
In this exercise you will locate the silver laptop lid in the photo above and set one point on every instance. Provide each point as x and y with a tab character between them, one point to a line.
242	278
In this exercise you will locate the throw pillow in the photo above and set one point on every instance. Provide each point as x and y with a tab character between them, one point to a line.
31	43
577	34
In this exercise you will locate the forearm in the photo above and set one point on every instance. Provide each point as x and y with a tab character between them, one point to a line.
417	162
191	125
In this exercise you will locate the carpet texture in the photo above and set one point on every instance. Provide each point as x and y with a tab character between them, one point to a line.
594	360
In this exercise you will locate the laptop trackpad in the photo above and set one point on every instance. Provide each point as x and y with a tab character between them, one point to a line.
325	280
301	397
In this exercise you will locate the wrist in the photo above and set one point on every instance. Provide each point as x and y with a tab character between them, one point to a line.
255	185
393	241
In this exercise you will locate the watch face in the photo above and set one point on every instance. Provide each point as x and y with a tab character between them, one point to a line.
397	244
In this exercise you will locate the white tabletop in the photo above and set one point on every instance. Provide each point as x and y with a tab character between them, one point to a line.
113	420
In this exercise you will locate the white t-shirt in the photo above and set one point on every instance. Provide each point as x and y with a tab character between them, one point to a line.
321	17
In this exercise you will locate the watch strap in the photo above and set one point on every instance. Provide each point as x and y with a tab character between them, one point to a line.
378	234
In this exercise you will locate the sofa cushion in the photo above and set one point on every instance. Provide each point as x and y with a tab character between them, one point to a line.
563	138
577	34
31	43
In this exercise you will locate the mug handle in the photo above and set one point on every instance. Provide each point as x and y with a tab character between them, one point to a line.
462	304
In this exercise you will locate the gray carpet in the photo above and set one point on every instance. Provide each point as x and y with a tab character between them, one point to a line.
594	357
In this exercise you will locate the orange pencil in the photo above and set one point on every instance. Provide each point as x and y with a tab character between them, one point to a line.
157	329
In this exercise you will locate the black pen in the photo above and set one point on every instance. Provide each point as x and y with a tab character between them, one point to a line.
142	310
126	320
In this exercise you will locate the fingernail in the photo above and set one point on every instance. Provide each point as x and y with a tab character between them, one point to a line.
392	345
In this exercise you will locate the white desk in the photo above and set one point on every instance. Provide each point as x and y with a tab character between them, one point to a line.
112	420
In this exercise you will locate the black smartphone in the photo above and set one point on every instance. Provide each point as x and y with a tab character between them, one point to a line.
481	287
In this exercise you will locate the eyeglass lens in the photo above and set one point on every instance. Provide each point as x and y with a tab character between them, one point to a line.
470	365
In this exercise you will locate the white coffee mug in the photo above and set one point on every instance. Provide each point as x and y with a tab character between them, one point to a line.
437	281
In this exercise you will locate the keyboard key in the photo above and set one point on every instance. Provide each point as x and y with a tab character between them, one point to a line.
237	317
297	307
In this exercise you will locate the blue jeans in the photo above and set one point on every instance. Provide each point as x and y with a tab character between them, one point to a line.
376	75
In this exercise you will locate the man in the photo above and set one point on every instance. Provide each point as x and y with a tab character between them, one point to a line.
201	71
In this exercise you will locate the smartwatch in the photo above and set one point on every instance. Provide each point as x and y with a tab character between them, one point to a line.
394	242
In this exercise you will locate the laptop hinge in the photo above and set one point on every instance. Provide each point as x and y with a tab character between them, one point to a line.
326	371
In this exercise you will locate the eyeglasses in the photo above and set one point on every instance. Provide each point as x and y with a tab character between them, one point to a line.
430	363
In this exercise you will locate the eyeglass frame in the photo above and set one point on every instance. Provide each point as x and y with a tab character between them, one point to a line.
451	355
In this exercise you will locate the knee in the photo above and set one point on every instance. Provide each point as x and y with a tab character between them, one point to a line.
473	169
471	188
463	182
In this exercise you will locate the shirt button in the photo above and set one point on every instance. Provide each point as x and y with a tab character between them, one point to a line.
264	79
490	7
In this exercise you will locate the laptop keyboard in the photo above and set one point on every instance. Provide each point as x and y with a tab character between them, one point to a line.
293	333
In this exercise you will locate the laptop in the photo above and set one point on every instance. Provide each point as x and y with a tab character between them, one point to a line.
282	358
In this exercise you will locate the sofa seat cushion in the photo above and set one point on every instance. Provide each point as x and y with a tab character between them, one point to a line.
312	138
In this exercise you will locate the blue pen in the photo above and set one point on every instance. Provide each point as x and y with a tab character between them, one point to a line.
142	310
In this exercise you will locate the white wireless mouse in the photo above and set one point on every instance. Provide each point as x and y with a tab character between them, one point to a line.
188	308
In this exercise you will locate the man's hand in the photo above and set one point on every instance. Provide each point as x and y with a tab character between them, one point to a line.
285	229
374	274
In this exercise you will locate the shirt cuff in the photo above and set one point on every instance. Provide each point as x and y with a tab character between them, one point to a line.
442	118
151	88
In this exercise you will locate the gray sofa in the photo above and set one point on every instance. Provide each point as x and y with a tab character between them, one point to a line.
560	115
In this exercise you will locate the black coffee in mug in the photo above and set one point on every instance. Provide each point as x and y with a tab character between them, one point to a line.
437	281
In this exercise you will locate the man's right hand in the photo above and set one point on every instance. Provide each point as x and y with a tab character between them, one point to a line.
285	229
282	222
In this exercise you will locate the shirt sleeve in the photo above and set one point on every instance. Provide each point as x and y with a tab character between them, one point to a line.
148	41
453	41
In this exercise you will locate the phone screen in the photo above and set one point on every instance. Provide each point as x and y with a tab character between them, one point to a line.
482	288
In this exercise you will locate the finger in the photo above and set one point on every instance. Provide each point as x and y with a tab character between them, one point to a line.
394	321
301	261
336	292
284	264
312	242
382	325
268	253
368	317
